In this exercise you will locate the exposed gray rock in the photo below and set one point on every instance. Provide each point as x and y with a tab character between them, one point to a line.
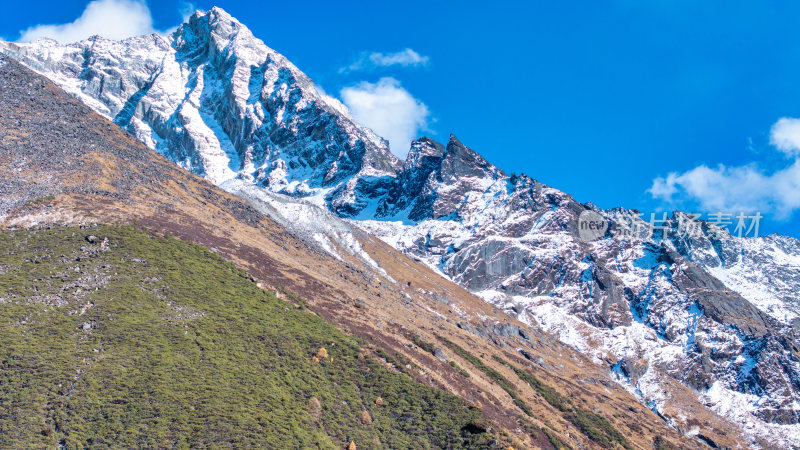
222	104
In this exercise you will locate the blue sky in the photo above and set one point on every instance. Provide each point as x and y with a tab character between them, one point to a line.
622	102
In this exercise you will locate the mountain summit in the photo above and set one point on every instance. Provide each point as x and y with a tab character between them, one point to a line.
215	99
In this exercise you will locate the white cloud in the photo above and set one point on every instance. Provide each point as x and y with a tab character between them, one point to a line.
747	188
112	19
405	58
389	110
186	10
785	136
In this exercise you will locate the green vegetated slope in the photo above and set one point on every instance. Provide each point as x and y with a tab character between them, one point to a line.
138	341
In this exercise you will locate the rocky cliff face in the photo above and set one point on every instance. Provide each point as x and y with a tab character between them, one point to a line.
711	311
222	104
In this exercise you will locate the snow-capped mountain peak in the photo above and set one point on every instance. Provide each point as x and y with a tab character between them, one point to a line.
221	103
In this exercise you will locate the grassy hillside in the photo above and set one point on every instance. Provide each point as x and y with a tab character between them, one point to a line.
109	336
